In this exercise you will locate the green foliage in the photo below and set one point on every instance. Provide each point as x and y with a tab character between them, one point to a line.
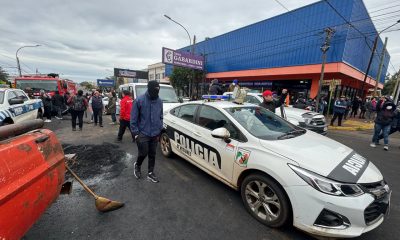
182	77
390	84
87	85
3	75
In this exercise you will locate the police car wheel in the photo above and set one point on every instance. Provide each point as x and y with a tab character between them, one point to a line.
165	145
265	200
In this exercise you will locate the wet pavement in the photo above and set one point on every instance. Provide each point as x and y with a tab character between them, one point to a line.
186	204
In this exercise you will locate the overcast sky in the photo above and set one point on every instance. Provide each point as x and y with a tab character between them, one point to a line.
85	40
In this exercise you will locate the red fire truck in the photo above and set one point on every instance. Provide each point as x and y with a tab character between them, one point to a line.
32	84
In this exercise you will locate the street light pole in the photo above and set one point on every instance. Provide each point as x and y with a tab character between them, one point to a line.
372	56
16	56
191	49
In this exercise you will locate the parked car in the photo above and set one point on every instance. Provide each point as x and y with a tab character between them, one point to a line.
16	106
307	119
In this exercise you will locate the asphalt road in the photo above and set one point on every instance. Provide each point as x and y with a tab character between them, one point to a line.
187	203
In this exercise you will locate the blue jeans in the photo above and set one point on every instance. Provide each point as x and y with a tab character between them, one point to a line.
385	130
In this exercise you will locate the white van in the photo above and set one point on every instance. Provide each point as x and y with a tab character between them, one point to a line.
167	93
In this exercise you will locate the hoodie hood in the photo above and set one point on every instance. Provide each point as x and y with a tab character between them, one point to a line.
153	88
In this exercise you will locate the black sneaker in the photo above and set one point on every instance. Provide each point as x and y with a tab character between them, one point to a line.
152	178
101	125
136	171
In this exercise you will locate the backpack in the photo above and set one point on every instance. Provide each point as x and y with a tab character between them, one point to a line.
79	104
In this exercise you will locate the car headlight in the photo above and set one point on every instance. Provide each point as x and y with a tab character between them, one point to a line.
307	120
326	185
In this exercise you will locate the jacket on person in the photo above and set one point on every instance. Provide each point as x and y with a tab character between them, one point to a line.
274	103
215	89
112	104
77	103
97	102
147	116
385	113
58	100
46	100
339	106
126	108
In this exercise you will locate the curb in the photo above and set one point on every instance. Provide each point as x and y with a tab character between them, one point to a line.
350	128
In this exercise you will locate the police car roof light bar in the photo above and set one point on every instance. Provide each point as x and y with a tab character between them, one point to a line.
215	97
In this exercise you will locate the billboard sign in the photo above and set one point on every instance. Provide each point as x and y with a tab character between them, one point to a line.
182	59
105	83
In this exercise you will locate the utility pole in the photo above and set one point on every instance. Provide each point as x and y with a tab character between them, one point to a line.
378	78
193	73
396	90
324	48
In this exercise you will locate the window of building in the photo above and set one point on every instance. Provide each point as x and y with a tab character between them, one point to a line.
157	76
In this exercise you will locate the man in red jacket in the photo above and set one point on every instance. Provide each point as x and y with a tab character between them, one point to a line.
125	114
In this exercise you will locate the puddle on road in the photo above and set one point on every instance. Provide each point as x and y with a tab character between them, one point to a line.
97	162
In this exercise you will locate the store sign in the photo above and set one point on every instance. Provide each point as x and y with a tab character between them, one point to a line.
105	83
182	59
118	72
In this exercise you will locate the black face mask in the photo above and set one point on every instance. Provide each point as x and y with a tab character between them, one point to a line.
153	88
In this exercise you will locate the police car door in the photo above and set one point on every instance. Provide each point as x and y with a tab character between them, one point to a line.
218	155
17	110
179	129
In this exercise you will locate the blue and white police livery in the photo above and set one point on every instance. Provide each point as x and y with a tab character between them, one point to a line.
15	106
285	174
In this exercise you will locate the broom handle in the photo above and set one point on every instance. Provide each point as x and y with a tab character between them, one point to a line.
81	182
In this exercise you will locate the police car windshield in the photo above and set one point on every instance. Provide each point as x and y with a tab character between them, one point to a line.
262	123
47	85
1	97
167	94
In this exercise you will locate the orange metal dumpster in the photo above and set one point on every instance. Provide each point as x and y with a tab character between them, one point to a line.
32	171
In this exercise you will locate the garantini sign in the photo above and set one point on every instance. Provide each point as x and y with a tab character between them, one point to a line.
182	59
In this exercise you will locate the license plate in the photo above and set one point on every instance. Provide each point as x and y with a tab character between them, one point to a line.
325	129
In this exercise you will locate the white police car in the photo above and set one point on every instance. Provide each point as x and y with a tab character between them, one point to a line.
15	106
286	174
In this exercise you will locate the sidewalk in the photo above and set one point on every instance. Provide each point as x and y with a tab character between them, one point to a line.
352	124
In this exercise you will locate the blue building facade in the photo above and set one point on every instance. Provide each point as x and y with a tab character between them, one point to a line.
294	39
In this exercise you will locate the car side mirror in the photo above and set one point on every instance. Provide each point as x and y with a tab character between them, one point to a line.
15	101
222	133
180	100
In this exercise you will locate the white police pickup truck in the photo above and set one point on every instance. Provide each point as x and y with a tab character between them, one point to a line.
285	174
16	106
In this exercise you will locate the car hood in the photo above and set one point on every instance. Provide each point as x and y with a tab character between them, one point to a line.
326	157
167	106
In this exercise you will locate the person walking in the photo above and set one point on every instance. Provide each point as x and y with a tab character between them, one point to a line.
125	115
112	107
270	103
363	109
146	125
58	104
348	108
78	105
339	109
97	108
355	105
385	112
47	105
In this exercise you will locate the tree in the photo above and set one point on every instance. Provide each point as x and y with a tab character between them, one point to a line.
390	84
181	79
3	75
87	85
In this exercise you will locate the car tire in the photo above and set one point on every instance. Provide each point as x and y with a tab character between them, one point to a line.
165	144
265	200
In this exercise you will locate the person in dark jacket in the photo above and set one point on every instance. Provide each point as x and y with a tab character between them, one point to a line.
339	109
58	104
348	108
385	112
97	108
355	105
125	115
270	103
112	107
47	105
215	88
78	105
300	103
146	126
363	108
